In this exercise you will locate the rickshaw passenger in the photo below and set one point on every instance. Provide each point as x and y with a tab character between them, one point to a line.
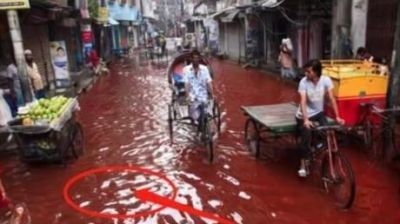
198	84
313	89
179	85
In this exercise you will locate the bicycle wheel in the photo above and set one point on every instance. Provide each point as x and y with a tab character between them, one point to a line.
252	138
170	123
339	180
217	116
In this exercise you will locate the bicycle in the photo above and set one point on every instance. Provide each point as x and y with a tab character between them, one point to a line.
207	120
205	127
337	175
376	123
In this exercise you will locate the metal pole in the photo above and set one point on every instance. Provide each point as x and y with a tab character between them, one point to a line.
341	26
16	37
264	36
394	81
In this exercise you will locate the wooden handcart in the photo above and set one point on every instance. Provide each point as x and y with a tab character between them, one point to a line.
271	121
58	141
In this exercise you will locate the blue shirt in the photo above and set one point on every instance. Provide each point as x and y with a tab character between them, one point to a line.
315	94
198	85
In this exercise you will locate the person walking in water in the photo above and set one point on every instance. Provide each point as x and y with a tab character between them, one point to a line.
286	60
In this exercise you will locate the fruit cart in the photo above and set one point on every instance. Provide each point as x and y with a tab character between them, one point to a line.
47	131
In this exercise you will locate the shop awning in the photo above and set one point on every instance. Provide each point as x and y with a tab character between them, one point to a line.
217	14
271	3
230	16
112	21
196	19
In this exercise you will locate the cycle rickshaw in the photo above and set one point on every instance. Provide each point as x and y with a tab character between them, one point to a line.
178	108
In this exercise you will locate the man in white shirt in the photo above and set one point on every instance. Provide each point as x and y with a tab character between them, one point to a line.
313	90
198	85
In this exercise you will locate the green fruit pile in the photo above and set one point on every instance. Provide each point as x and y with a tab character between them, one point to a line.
46	109
44	145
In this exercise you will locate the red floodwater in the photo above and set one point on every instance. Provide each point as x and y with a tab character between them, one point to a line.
124	117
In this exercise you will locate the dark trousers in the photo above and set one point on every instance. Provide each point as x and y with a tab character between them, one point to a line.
305	134
39	94
12	103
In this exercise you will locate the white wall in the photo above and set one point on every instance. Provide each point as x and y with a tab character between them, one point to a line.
202	9
359	23
222	4
148	9
189	7
244	2
233	35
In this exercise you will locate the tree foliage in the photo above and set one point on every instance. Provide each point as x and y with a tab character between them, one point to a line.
93	6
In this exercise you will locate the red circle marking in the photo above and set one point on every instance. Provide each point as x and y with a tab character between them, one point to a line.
129	168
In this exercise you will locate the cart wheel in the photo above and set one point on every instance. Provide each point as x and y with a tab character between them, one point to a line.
339	180
252	138
6	140
77	141
170	124
217	116
210	150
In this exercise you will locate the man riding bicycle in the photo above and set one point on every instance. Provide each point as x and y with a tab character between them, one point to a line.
198	85
313	89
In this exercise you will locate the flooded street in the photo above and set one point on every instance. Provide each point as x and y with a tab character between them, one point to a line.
124	117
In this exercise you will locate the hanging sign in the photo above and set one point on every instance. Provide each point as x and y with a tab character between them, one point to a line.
59	60
103	14
14	4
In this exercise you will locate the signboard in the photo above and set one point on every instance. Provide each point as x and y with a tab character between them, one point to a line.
87	36
59	61
103	14
14	4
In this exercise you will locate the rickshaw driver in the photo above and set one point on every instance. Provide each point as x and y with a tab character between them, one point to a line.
198	85
313	89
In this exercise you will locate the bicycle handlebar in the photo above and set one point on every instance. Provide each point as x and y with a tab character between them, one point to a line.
375	108
383	111
328	127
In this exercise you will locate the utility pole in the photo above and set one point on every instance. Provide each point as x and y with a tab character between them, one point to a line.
166	15
142	30
16	37
341	26
394	81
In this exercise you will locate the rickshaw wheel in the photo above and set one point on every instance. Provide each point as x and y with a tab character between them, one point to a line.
252	138
208	141
210	150
217	116
170	123
342	185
